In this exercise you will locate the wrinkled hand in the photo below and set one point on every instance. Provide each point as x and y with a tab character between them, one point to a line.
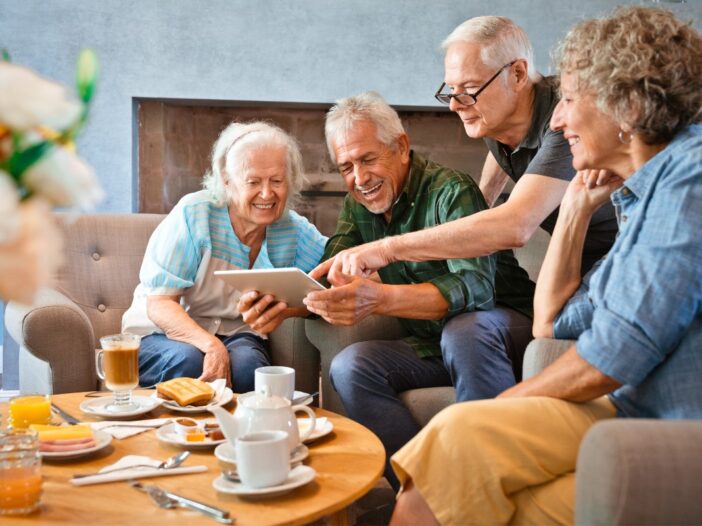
590	189
216	364
264	314
30	260
361	261
346	304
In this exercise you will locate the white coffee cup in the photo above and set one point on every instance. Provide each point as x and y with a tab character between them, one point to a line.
280	380
263	458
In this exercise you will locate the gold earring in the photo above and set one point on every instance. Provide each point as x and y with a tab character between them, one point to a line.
625	137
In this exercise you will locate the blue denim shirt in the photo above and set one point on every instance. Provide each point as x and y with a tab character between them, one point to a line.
638	314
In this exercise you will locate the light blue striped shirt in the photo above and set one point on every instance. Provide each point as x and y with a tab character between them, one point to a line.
196	239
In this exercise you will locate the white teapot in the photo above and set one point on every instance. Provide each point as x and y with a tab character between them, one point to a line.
263	412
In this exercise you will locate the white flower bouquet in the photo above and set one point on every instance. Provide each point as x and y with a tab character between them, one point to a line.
39	170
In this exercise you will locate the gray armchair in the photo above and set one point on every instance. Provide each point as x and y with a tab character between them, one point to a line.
58	335
632	471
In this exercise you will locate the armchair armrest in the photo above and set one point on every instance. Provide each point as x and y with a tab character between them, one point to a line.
290	347
330	340
542	352
55	331
644	472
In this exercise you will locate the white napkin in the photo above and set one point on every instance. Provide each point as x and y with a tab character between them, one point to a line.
219	386
137	472
122	429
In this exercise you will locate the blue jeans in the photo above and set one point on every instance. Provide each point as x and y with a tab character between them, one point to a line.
161	359
483	351
369	376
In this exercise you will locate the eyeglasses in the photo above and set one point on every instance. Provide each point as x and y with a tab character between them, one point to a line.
466	99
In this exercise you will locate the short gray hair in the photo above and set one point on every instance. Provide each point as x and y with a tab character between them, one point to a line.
364	107
234	143
501	41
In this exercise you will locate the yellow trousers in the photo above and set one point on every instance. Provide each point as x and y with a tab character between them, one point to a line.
506	461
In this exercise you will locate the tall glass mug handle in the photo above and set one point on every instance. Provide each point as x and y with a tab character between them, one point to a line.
312	416
98	365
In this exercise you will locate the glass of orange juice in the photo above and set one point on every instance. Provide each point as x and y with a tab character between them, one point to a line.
20	472
29	409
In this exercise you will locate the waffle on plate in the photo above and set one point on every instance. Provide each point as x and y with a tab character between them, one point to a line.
186	391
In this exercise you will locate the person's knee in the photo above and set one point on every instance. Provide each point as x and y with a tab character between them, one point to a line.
349	364
187	361
462	336
466	419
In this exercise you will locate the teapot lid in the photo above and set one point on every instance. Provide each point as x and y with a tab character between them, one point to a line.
265	400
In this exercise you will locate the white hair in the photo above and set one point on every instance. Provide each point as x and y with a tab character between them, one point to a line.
501	41
230	154
364	107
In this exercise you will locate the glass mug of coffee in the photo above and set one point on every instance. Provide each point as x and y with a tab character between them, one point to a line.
118	365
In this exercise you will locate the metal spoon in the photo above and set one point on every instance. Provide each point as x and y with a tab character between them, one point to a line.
302	399
169	463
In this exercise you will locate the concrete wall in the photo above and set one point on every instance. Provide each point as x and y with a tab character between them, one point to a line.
261	50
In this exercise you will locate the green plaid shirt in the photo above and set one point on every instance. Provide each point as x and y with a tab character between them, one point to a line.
433	195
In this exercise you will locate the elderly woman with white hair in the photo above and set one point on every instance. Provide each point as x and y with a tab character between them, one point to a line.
188	318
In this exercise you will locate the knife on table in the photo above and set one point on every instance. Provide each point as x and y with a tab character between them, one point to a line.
66	417
159	495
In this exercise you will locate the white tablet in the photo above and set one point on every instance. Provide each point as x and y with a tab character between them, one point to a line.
290	285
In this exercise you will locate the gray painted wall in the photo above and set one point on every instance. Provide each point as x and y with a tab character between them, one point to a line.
264	50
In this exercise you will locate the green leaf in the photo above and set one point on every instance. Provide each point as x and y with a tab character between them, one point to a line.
23	159
5	55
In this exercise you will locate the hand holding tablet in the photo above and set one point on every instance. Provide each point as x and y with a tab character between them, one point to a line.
290	285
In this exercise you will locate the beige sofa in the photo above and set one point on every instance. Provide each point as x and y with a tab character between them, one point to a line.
58	335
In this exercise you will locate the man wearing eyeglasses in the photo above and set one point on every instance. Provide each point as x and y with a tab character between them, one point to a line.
491	84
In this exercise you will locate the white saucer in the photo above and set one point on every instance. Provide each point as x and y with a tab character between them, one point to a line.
299	394
97	406
168	435
227	453
102	440
297	477
322	428
226	397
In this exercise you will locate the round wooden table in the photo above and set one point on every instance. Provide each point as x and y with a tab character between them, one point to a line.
349	461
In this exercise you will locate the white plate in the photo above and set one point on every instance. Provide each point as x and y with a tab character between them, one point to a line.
227	453
168	435
323	428
226	397
297	477
102	440
96	406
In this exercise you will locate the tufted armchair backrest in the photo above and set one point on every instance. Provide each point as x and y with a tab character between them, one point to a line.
103	256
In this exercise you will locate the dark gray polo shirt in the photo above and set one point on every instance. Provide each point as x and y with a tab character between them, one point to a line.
545	152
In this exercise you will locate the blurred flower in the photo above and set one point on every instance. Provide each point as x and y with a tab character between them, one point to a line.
47	177
39	168
39	120
27	101
9	208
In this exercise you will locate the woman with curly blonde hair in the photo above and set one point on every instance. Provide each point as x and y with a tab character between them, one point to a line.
631	94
